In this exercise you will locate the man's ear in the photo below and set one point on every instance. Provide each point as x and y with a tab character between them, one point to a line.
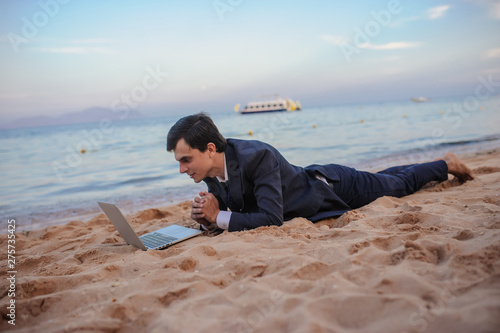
212	149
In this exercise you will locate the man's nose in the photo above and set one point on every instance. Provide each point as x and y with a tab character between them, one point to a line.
183	169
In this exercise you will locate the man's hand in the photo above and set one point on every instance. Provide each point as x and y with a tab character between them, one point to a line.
205	209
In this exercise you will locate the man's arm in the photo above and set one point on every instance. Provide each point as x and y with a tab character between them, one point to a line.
264	173
263	179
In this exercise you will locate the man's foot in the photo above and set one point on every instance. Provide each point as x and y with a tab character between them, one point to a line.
457	168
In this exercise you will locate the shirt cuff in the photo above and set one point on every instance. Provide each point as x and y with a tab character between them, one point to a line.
223	219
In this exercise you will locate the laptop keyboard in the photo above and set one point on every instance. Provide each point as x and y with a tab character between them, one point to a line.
156	239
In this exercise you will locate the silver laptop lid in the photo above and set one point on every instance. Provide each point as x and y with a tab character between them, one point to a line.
116	217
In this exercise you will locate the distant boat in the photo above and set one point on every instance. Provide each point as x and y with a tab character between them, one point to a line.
276	105
420	99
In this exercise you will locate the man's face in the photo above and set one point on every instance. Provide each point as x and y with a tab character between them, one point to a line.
198	165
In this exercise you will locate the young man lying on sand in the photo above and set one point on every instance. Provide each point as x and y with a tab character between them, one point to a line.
260	188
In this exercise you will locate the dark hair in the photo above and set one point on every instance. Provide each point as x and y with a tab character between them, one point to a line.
197	130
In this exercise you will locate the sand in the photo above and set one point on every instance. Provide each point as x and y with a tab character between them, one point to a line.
429	262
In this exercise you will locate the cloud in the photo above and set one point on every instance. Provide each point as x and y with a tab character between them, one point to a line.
339	40
492	53
437	12
335	40
431	14
78	50
79	46
404	20
390	46
90	41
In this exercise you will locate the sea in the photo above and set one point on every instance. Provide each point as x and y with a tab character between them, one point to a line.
56	174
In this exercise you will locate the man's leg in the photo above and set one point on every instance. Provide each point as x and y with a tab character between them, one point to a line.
394	170
455	166
358	188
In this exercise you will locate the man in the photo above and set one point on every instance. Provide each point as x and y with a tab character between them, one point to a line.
260	188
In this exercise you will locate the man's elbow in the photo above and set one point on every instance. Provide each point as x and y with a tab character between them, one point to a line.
251	221
274	220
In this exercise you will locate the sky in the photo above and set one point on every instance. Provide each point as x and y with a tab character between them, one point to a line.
179	56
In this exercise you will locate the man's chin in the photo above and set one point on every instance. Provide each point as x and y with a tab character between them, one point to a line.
196	179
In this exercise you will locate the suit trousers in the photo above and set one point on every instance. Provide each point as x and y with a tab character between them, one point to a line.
358	188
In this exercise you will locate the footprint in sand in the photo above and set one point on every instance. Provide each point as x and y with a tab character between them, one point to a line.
464	235
172	296
188	264
38	287
431	253
397	257
204	250
94	256
355	248
484	259
35	306
485	170
313	271
408	218
387	243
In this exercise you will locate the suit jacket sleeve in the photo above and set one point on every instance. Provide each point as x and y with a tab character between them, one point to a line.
262	183
214	188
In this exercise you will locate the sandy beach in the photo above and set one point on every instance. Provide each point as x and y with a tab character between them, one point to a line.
429	262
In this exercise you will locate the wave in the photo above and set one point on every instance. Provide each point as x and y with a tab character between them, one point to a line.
428	152
109	186
488	138
142	180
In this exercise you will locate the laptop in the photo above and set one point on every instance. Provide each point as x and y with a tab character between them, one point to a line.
155	240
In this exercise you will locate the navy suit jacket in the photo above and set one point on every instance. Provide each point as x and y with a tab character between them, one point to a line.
265	189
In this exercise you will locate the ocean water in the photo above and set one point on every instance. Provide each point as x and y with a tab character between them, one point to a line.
46	179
